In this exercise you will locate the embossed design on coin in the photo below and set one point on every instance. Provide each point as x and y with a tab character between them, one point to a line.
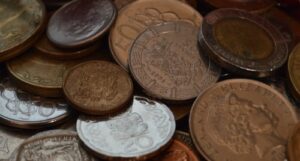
142	131
239	120
168	67
293	69
136	17
80	22
98	87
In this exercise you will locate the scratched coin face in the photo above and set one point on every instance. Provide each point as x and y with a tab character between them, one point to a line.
168	67
20	21
238	120
142	131
294	145
293	69
80	23
98	87
136	17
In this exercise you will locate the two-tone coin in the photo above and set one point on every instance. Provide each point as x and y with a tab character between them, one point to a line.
243	43
136	17
80	23
239	119
294	145
293	72
166	62
142	132
21	24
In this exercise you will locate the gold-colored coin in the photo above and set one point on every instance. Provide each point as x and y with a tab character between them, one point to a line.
293	72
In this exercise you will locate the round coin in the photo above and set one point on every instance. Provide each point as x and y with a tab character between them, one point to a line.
239	120
98	87
22	22
81	22
293	72
169	67
243	43
136	17
294	145
145	129
186	139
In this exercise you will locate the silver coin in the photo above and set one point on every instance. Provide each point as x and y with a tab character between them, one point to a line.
141	132
23	110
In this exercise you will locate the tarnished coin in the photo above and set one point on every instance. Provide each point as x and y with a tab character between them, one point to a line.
243	43
293	72
166	62
98	87
141	132
136	17
21	23
242	120
81	22
294	145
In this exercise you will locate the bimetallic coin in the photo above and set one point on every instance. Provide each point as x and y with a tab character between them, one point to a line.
98	87
239	120
166	62
136	17
21	22
145	129
80	23
293	72
294	145
243	43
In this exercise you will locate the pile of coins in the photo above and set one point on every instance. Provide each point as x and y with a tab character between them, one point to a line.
152	80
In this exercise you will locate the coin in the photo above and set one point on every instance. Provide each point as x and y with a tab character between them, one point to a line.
21	23
142	131
136	17
80	23
239	119
170	68
243	43
98	87
255	6
52	145
294	145
186	139
293	72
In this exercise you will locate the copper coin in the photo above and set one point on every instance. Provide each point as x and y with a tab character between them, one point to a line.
242	120
293	72
136	17
186	139
143	131
294	145
81	22
98	87
243	43
21	23
255	6
170	68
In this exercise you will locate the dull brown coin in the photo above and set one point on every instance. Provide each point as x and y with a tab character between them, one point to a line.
239	120
81	22
243	43
98	87
170	68
294	145
293	72
136	17
22	22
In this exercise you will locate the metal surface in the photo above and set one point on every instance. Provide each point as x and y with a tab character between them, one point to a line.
293	72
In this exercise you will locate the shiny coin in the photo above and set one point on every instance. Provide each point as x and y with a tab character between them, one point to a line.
293	69
21	22
136	17
243	43
81	22
294	145
142	131
170	68
239	120
98	87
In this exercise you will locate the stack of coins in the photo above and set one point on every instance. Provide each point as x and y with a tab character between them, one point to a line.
155	80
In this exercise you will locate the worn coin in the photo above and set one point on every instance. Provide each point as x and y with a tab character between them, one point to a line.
98	87
141	132
136	17
293	72
166	62
21	22
81	22
243	43
239	120
294	145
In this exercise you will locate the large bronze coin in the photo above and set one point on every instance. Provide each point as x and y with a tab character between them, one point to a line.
136	17
143	131
21	23
293	72
242	120
98	87
243	43
81	22
294	145
166	62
